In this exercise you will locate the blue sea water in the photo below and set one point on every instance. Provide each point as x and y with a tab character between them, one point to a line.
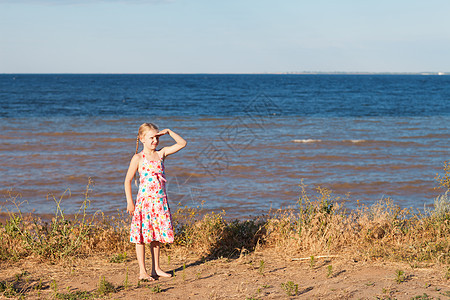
222	95
252	138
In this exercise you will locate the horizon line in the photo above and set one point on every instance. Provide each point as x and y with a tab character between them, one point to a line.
238	73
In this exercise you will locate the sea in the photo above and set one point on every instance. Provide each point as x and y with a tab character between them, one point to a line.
253	140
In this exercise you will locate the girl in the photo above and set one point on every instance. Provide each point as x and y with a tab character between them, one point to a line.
152	222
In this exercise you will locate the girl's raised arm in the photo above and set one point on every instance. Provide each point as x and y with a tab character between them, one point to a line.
180	142
134	164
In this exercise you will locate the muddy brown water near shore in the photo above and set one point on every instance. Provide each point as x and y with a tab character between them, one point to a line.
257	167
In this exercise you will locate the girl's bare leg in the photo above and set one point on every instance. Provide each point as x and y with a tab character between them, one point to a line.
156	270
140	253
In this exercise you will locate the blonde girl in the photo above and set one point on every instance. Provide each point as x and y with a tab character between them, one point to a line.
152	222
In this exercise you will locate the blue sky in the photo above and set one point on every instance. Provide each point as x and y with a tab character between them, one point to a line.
228	36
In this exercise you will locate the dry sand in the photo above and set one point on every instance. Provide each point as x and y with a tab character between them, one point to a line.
257	275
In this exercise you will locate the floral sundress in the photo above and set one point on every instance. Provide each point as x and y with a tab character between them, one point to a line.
152	220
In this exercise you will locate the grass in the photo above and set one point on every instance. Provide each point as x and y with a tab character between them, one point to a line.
63	237
447	274
8	290
126	284
261	267
75	295
22	285
399	276
312	262
105	287
19	286
319	225
422	297
118	258
329	271
446	293
290	288
156	289
183	274
57	240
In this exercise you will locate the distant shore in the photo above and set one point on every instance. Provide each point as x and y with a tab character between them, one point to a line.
261	73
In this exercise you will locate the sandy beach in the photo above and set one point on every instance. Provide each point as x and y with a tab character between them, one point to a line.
259	275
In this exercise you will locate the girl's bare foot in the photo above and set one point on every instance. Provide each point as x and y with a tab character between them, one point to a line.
161	273
146	277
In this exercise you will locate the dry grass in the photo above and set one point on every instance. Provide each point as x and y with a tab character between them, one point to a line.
319	226
63	237
383	230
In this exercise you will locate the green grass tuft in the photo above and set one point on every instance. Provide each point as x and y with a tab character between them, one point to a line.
290	288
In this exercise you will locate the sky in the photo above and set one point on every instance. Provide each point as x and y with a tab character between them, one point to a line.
227	36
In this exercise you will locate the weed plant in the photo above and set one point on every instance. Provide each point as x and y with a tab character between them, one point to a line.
156	289
105	287
329	271
19	286
261	267
399	276
76	295
444	180
422	297
290	288
118	258
312	262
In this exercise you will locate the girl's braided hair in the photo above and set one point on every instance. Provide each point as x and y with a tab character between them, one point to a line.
143	129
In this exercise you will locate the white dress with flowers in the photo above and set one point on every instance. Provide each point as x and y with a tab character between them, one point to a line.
151	220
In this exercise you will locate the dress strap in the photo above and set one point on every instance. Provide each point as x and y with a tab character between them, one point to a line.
159	155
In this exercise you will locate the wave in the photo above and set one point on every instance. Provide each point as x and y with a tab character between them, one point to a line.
318	141
384	143
355	141
307	141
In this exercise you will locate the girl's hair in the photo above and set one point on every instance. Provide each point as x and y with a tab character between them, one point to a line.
143	129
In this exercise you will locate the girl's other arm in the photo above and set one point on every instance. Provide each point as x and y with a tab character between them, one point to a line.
134	164
180	142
